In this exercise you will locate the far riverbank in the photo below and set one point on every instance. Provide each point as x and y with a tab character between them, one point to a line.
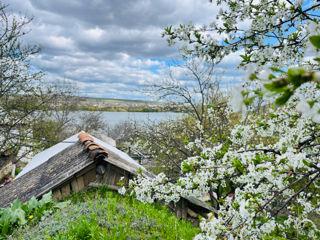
114	118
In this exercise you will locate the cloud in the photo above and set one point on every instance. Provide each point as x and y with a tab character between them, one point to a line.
107	47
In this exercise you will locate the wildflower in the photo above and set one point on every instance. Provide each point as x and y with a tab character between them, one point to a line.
31	217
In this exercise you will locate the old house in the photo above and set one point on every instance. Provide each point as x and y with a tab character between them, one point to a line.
78	162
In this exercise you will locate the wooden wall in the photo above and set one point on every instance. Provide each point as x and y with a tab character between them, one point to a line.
100	174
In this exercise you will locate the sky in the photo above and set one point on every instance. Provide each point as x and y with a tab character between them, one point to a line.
111	48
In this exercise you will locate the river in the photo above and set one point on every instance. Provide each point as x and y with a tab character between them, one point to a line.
113	118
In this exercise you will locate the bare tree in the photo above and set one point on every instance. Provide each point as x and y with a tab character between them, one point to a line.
194	86
197	88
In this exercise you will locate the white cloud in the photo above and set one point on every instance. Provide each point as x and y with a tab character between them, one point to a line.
108	47
93	34
60	42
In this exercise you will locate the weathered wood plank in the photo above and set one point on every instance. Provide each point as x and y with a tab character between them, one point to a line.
192	213
115	176
178	209
85	170
89	177
80	182
201	204
74	185
65	190
56	195
111	187
107	174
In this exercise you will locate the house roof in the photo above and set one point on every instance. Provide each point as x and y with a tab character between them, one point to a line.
59	163
117	157
44	156
46	176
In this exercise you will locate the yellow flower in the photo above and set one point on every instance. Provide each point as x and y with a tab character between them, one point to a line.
31	216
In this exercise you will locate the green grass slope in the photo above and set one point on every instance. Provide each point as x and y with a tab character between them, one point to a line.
102	214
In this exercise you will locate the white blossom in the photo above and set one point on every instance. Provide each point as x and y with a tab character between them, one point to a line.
236	99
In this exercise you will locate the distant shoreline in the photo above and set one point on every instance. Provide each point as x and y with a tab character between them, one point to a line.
112	109
122	105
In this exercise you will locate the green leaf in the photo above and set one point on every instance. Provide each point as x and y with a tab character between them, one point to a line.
271	76
47	198
213	139
19	214
245	57
204	156
272	115
257	160
15	205
120	183
32	204
253	76
186	167
5	221
238	165
296	71
315	40
306	163
248	101
198	36
277	70
62	205
284	98
258	92
311	103
297	76
277	86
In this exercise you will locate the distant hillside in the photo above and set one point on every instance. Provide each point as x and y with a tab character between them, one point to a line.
124	105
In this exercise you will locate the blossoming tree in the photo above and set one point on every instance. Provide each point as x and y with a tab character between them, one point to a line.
266	177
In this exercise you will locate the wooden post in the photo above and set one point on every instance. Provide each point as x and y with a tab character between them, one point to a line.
179	209
184	209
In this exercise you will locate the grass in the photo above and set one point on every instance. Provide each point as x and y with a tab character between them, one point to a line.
102	214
